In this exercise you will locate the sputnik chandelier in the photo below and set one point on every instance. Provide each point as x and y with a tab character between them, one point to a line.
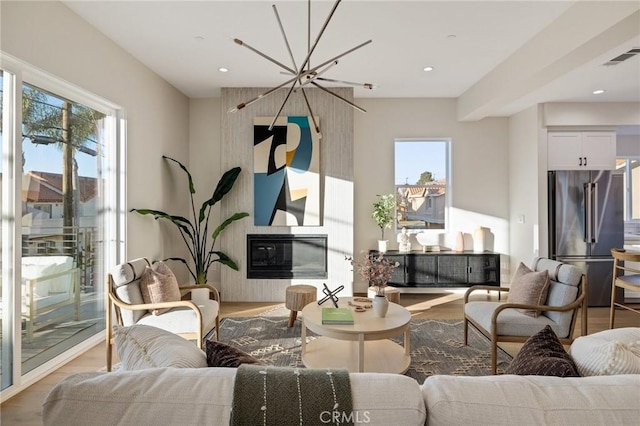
305	74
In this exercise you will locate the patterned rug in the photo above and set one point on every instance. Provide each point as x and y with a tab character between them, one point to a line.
436	345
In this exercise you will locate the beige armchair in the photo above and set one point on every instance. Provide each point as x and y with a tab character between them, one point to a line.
503	322
191	319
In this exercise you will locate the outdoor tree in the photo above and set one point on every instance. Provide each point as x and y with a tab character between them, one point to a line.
70	126
425	177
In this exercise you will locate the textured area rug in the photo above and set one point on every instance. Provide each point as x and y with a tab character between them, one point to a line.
436	345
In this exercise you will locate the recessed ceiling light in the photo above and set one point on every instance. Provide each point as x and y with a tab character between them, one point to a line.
451	36
599	92
223	69
427	69
199	38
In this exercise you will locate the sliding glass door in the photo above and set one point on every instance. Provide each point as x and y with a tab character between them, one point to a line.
58	180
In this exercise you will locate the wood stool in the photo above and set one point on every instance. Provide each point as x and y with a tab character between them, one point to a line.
297	297
392	293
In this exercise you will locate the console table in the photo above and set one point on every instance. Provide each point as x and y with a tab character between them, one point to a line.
444	269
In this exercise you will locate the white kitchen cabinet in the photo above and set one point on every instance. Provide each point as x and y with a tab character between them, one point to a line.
588	150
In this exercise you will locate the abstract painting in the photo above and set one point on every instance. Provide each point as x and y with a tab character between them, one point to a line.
286	167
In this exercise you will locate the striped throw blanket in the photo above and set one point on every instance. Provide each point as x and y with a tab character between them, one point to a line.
282	396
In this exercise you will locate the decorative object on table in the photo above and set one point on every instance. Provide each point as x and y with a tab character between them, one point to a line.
330	294
380	306
377	271
337	316
478	239
404	243
428	241
304	74
383	215
459	247
195	233
360	302
286	172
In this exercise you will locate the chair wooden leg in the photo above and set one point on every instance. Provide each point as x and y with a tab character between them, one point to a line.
612	309
218	328
494	357
466	331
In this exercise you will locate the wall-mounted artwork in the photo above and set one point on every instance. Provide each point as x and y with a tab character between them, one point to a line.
286	167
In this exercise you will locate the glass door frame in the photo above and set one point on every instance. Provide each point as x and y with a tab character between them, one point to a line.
16	72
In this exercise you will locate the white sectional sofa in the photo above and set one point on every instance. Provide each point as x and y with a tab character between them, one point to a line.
165	380
203	396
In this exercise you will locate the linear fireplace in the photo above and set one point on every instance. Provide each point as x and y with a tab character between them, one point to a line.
281	256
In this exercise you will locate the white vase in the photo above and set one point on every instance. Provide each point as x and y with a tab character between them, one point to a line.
478	240
382	246
199	294
380	306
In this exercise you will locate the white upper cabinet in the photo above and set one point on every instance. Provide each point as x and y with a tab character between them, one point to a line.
581	150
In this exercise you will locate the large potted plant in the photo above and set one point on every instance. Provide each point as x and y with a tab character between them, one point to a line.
383	215
195	232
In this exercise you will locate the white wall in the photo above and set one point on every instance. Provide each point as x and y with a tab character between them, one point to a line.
480	169
50	36
523	187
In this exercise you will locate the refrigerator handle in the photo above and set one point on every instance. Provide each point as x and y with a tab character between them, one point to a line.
594	215
587	212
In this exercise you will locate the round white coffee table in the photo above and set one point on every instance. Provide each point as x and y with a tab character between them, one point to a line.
363	346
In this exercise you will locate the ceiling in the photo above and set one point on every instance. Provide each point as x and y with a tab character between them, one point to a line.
496	57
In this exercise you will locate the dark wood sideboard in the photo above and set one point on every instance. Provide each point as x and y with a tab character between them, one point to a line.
444	269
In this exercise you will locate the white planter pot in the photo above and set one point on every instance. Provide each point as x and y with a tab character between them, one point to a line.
199	294
380	306
382	246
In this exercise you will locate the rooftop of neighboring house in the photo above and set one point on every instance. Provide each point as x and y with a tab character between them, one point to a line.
45	187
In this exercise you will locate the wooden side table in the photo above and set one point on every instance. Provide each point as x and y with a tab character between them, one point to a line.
392	293
297	297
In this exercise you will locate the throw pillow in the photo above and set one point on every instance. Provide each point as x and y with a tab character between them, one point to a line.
159	285
529	288
543	355
142	346
221	355
608	352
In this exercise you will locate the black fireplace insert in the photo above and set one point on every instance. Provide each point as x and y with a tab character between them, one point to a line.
282	256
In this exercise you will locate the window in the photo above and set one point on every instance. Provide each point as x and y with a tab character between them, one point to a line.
59	179
422	184
631	171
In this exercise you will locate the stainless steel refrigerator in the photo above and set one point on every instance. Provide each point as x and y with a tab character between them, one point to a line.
585	223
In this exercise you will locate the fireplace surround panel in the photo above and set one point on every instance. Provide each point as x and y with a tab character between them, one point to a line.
284	256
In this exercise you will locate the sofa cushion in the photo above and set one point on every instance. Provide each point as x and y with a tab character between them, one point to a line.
141	346
158	285
529	288
126	285
171	396
543	355
608	352
531	400
221	355
511	322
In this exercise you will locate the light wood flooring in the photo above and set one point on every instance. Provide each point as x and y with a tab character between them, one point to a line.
25	408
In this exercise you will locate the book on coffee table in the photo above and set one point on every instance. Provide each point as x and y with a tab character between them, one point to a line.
337	316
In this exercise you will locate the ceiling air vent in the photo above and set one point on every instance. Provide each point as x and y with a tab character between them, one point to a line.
621	58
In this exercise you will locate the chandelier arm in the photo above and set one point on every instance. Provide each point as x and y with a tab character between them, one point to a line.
267	57
313	118
317	74
339	97
284	35
314	69
353	83
309	30
324	26
264	95
275	117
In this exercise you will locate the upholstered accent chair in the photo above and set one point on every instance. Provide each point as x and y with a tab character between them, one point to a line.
510	322
190	318
624	276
